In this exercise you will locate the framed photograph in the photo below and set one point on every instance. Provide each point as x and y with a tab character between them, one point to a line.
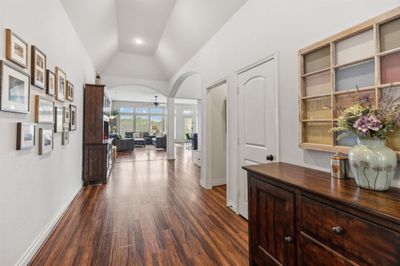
16	49
44	110
70	91
73	118
25	136
61	82
66	117
65	137
38	68
58	119
50	83
46	138
15	89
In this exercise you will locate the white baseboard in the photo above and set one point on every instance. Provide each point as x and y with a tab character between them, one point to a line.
219	182
232	205
42	237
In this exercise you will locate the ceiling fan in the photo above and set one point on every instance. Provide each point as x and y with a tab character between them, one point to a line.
156	103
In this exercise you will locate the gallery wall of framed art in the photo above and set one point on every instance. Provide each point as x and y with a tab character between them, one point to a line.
40	185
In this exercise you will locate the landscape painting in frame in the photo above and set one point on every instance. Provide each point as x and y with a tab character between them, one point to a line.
38	68
72	124
58	119
50	83
46	138
70	91
16	49
25	135
61	83
44	110
15	89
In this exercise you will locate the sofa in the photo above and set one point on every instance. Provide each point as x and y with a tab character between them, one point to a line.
122	144
160	142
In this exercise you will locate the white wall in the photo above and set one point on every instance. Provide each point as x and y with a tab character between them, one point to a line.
34	189
190	88
257	30
216	101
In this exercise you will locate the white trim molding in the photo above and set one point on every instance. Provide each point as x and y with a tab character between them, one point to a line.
45	233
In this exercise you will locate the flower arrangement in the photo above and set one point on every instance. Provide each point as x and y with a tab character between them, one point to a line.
369	123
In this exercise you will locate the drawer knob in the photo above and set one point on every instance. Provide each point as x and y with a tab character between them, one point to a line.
338	230
288	239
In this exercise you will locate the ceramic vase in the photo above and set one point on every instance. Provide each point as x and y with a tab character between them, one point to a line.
373	164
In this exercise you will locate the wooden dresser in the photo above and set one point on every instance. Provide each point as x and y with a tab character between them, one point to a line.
299	216
97	147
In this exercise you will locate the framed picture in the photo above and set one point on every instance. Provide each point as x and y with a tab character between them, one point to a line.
16	49
38	68
73	122
44	110
61	82
70	91
15	89
46	138
66	117
50	83
58	119
25	136
65	137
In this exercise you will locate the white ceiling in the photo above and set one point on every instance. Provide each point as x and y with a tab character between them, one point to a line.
135	93
145	19
172	31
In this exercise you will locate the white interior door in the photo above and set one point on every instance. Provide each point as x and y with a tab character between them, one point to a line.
257	122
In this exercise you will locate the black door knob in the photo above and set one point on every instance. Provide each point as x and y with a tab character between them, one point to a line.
270	157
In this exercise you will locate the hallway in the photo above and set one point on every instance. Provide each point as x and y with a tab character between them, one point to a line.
150	213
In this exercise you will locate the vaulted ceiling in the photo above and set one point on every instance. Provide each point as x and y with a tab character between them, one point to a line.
168	32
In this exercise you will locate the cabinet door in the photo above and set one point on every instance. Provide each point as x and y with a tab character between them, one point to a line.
271	224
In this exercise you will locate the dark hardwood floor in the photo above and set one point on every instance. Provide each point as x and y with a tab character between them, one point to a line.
150	213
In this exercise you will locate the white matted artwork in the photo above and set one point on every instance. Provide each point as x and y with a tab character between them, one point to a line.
15	89
72	124
46	138
58	119
44	110
66	117
61	84
65	136
16	49
38	68
25	135
50	83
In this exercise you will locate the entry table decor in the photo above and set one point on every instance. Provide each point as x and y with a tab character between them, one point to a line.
372	163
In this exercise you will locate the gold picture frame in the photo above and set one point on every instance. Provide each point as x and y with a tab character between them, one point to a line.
61	84
38	68
16	49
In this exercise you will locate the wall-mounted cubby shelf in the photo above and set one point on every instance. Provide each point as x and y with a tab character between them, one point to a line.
366	55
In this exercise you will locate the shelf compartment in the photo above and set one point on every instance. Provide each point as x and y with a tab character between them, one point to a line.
318	133
390	35
355	48
390	68
393	140
361	75
318	108
318	84
317	60
346	100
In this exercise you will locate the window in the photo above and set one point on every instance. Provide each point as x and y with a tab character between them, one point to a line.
126	124
188	125
142	110
126	110
187	112
156	110
142	123
156	123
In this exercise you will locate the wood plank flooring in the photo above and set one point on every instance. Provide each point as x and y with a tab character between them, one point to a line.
150	213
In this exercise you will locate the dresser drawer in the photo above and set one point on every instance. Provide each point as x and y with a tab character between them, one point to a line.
315	253
357	239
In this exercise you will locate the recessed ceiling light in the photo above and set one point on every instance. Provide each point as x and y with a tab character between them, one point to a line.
138	41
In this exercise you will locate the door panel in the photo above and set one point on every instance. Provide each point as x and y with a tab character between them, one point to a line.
257	121
272	222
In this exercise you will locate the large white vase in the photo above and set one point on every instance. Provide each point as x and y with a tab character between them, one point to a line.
373	164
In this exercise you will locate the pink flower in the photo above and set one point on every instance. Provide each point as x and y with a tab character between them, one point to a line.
368	122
